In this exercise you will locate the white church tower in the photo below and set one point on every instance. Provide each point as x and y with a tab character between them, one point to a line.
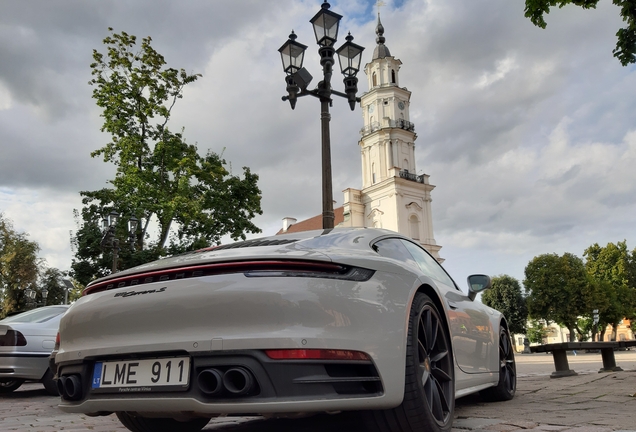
393	196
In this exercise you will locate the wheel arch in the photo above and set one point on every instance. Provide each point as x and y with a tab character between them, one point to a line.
435	297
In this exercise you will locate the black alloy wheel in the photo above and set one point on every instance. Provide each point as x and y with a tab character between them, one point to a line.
429	391
9	385
507	386
435	365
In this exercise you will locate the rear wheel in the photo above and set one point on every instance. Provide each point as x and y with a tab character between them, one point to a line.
144	424
429	391
507	386
50	384
7	386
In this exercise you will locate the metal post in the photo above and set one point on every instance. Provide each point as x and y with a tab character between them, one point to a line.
326	60
115	254
327	189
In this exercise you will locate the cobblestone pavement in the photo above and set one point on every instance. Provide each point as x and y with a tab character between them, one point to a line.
589	402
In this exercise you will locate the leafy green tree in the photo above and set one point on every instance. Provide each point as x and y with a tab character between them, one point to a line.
586	326
506	296
536	331
612	267
21	269
559	290
51	279
160	179
625	50
19	265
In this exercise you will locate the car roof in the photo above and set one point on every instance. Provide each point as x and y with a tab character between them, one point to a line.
38	315
302	245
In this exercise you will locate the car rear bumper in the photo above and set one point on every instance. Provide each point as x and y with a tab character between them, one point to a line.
279	386
24	365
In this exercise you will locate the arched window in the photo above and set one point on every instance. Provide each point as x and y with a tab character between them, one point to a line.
405	164
393	76
373	173
414	225
375	79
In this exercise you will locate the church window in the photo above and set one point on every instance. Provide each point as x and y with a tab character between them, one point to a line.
375	79
414	224
373	173
393	76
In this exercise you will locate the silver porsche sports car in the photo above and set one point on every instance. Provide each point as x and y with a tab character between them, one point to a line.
338	320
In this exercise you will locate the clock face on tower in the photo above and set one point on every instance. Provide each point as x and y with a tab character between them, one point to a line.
401	105
371	108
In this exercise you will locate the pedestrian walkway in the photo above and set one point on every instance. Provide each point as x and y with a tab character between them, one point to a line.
588	402
591	402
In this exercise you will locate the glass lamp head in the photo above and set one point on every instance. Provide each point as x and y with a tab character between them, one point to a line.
292	54
325	24
350	56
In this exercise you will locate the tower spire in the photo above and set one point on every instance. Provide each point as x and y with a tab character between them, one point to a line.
381	50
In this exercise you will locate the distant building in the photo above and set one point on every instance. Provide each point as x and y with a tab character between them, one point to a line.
393	195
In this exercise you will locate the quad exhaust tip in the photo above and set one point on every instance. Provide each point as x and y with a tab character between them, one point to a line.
237	381
70	387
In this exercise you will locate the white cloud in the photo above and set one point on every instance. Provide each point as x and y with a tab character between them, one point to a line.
527	133
502	68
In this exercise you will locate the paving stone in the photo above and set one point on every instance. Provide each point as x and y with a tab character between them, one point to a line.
474	423
589	429
522	424
502	427
550	428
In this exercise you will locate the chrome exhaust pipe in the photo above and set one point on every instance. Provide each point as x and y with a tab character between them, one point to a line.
238	381
210	381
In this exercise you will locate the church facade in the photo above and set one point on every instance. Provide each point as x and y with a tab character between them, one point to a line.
393	195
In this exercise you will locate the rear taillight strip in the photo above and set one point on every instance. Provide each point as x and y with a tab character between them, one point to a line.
269	268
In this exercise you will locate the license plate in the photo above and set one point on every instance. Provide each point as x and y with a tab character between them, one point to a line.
162	374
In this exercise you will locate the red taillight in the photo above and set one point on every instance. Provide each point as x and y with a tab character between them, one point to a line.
12	338
57	342
266	268
315	354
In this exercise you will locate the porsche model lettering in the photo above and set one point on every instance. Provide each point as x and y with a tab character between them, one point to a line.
134	293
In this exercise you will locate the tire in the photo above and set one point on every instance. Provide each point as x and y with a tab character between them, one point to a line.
7	386
507	386
429	390
50	384
144	424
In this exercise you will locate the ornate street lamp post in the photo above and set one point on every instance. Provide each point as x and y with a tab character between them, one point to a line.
325	24
31	295
110	240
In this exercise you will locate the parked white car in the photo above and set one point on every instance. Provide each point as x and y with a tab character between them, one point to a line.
346	319
26	341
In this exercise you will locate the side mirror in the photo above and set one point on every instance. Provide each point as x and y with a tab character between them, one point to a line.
478	283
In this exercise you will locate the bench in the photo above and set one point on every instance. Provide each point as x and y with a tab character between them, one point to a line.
559	354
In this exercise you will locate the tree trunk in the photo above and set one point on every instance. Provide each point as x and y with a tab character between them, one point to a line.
165	231
614	331
572	334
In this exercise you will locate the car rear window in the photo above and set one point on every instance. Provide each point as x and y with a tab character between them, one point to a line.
35	316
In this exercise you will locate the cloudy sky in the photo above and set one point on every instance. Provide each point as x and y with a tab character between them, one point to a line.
528	134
